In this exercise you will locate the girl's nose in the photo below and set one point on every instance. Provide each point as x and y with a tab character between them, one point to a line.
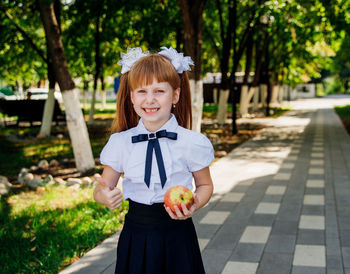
150	97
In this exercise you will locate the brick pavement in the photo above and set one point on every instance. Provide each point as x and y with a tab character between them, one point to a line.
281	201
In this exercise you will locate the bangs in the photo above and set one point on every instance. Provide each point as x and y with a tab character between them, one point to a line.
153	66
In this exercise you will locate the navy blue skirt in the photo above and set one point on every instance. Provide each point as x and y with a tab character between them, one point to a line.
153	243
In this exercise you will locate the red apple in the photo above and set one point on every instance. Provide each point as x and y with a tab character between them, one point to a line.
177	195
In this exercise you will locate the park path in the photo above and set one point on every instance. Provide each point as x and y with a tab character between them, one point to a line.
281	202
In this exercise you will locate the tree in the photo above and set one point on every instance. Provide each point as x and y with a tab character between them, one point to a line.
192	12
22	12
75	120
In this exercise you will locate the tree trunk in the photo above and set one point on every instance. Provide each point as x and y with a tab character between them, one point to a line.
97	62
222	108
226	38
259	57
45	129
75	121
103	93
244	101
46	123
192	12
256	98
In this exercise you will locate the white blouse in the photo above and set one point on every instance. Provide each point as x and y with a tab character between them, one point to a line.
192	151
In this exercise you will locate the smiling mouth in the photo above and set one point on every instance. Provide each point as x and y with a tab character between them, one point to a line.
150	110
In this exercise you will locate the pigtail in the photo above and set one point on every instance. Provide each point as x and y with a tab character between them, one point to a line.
183	109
125	117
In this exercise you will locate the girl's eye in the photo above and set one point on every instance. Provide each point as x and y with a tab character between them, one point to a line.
160	91
141	91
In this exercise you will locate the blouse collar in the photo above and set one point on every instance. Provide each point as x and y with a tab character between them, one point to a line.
170	125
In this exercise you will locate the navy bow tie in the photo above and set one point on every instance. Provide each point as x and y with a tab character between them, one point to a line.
153	143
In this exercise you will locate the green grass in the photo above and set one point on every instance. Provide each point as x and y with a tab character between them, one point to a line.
343	112
28	150
46	230
279	111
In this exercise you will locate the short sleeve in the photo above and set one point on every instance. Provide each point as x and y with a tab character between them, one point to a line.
112	153
200	154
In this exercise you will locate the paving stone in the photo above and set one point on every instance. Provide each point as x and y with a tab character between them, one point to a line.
206	230
289	212
203	243
276	190
247	183
334	263
270	198
287	166
109	270
343	211
310	255
243	212
261	220
294	151
283	227
314	191
225	206
313	210
344	222
345	237
319	143
215	217
317	154
316	162
308	270
267	208
334	271
226	237
311	237
240	268
280	243
241	188
292	158
346	256
282	176
316	170
312	222
275	263
255	234
232	197
214	260
313	200
247	252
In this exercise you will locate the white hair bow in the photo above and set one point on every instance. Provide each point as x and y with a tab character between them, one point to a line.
130	57
180	62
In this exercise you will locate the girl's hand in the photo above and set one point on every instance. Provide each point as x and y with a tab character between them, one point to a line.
111	197
183	213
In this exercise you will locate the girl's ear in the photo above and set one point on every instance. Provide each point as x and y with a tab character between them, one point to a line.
176	96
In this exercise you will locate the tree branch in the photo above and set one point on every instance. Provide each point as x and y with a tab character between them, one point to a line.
25	35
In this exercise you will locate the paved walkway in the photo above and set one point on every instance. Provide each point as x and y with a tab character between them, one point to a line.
281	201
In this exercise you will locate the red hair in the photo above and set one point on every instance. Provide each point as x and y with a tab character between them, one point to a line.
143	73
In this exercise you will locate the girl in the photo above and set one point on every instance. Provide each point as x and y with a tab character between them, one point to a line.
154	114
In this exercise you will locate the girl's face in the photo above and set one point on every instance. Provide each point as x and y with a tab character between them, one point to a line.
153	103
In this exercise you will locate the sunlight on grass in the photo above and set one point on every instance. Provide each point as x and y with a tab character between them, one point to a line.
46	230
49	198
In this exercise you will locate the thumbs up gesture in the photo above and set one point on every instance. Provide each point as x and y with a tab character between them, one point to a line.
108	196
